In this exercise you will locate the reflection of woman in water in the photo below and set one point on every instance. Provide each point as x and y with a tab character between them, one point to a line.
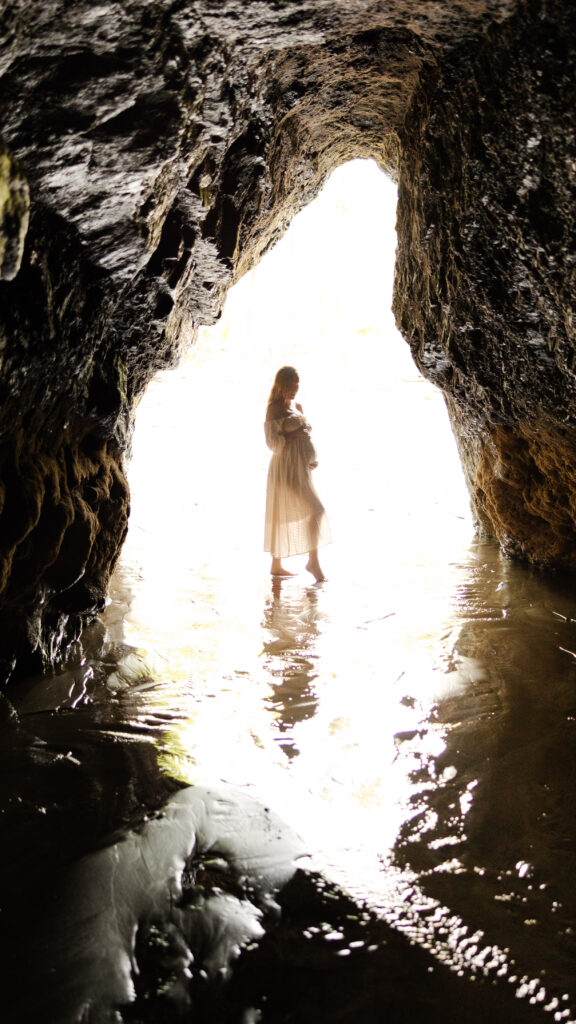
295	518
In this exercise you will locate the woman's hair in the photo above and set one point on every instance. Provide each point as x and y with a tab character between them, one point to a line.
286	375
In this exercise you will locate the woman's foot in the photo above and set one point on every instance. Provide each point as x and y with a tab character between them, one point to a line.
314	568
277	569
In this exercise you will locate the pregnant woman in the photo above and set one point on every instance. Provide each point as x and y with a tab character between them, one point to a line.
295	518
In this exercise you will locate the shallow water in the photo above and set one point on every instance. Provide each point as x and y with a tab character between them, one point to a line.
248	799
411	720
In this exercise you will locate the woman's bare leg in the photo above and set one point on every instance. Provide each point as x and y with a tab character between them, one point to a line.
313	565
277	569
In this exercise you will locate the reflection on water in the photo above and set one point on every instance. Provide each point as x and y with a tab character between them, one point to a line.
412	719
290	656
432	783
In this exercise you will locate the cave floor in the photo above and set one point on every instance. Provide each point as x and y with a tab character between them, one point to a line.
424	839
255	800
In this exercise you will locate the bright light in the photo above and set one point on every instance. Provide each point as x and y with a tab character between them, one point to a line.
302	689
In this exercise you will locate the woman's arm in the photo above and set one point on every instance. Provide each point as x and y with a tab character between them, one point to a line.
275	439
293	422
282	425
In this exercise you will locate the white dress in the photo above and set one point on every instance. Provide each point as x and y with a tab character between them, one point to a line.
295	517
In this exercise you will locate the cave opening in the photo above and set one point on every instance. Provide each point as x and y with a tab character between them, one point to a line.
320	300
255	676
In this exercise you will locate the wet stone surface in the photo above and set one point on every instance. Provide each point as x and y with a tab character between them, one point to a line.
200	913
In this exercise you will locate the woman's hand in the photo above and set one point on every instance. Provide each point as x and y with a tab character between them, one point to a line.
298	406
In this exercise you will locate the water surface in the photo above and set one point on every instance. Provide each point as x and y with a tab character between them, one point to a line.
296	790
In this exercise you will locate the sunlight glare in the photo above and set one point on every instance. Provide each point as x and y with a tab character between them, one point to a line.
300	692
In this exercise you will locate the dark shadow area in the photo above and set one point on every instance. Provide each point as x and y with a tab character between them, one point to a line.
490	831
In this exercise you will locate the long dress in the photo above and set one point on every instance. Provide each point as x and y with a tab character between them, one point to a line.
296	520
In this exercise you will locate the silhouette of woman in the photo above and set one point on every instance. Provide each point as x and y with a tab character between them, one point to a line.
295	517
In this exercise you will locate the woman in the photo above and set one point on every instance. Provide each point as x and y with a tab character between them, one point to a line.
295	518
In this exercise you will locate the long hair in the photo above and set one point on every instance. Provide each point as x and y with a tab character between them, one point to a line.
286	375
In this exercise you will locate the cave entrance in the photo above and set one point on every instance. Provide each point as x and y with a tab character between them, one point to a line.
319	300
293	689
389	472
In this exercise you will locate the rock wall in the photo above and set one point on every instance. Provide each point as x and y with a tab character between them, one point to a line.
166	145
14	214
485	277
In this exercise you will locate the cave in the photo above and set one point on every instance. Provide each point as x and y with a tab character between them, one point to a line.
152	153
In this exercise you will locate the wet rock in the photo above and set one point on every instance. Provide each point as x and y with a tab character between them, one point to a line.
199	911
165	149
485	273
14	214
328	959
145	922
